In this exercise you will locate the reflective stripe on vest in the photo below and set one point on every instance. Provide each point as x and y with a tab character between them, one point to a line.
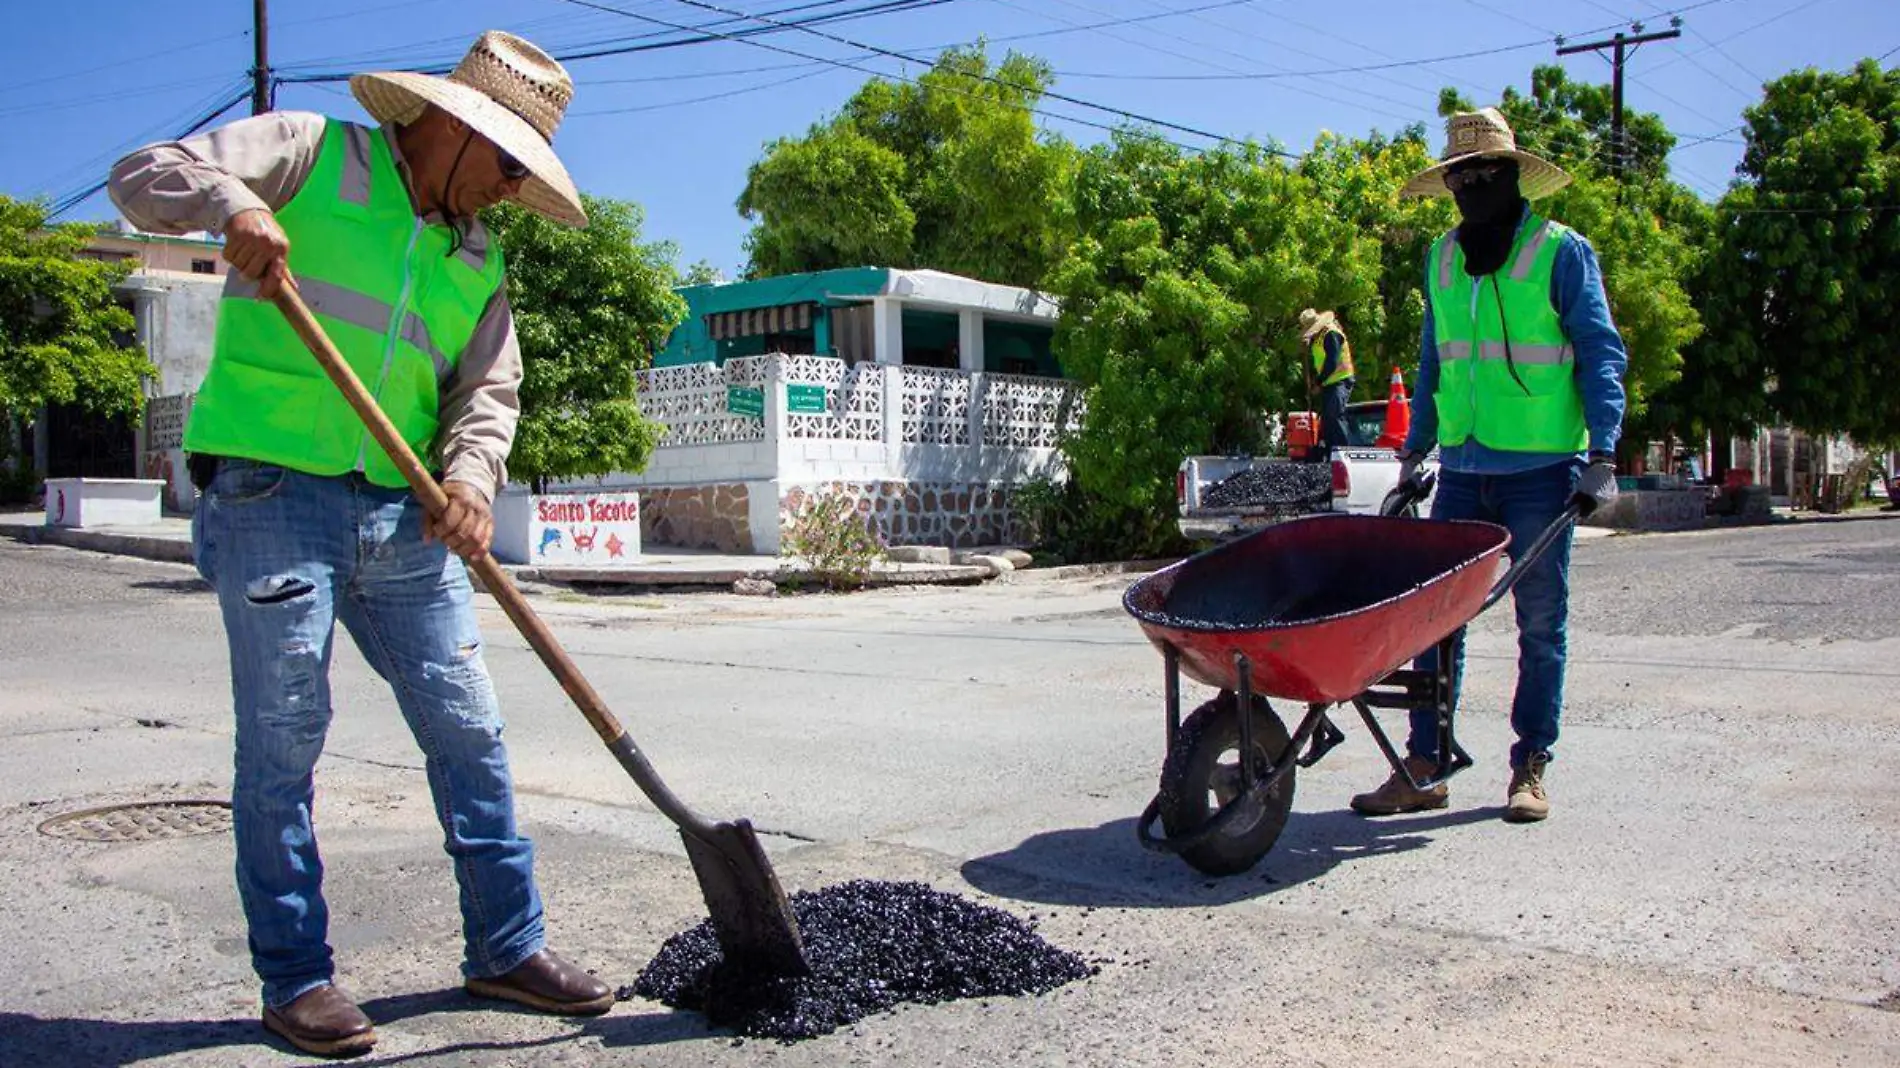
399	298
1506	371
1344	370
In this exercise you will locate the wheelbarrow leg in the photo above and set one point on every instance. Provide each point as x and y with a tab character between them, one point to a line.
1243	670
1433	691
1171	670
1451	757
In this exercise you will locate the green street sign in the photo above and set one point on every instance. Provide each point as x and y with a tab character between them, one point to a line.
800	399
745	400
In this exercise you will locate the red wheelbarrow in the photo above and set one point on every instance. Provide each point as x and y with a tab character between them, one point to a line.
1325	610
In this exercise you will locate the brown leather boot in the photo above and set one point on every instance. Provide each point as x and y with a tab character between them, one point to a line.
323	1021
1397	795
1528	801
546	982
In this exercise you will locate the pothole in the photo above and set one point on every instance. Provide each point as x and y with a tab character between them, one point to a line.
1891	1002
145	821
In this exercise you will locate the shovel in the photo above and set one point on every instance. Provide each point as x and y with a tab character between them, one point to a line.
751	916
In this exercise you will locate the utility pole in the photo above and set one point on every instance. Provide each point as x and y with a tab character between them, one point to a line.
260	67
1623	45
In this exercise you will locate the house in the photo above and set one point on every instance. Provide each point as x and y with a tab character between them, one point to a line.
173	294
924	397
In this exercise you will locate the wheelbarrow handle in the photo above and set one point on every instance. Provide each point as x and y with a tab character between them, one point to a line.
1558	528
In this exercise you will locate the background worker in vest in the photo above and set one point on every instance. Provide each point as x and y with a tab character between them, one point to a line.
1330	368
1520	384
304	520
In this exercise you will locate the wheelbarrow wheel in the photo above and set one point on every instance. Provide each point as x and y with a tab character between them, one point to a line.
1202	774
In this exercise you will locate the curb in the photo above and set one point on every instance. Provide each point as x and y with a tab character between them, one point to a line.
1070	571
142	546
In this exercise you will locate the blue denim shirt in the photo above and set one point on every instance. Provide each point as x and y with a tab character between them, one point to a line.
1576	291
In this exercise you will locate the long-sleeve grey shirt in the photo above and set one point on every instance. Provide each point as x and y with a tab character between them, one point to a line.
197	184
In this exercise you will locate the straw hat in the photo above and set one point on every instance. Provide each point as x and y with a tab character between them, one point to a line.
1484	134
1312	322
508	91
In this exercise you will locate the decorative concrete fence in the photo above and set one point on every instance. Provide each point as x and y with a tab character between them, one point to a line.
930	455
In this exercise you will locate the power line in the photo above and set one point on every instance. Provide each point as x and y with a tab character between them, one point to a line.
1747	30
650	42
913	59
1211	63
1078	102
702	99
1540	43
75	199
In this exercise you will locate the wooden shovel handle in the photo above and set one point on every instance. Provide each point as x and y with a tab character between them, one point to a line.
290	302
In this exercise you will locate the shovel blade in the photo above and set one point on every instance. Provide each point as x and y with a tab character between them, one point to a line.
751	915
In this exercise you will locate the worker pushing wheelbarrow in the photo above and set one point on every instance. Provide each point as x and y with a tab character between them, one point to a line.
1519	386
1324	611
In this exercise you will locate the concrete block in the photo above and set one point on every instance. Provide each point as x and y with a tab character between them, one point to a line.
919	554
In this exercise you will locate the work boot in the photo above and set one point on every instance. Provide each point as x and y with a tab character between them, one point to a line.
546	982
1529	803
323	1021
1397	795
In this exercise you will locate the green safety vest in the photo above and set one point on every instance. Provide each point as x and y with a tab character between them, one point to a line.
1344	371
399	305
1540	407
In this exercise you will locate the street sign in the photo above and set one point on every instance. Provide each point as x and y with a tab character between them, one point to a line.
745	400
804	400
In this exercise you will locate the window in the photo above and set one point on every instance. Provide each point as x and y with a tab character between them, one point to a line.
204	266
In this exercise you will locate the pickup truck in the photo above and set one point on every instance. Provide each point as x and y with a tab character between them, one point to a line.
1224	497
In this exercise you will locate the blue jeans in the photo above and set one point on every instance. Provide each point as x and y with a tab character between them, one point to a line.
1524	504
290	554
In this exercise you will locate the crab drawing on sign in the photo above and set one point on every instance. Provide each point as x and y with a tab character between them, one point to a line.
549	537
615	547
584	543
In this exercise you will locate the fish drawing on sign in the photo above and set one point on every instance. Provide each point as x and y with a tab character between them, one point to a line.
584	543
615	547
549	536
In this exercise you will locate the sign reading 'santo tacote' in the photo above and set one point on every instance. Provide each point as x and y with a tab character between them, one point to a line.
569	529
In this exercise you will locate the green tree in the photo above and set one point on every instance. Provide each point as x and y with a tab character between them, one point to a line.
1358	180
702	273
949	173
1180	304
591	307
64	339
1569	123
1803	294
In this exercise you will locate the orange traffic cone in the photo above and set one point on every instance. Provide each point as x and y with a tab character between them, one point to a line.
1398	414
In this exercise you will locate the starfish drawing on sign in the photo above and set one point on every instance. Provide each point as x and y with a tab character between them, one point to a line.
584	543
614	545
549	536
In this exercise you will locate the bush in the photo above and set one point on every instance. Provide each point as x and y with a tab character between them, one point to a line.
18	487
838	543
1066	524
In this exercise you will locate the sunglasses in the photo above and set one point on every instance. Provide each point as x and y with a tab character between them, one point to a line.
1472	176
512	169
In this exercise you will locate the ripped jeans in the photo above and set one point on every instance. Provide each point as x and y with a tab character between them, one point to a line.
290	554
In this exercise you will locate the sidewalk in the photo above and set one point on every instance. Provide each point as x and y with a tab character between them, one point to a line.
170	540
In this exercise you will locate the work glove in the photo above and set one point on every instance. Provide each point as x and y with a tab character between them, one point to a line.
1596	487
1408	467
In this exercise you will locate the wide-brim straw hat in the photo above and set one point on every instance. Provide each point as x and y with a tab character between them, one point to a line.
1312	322
1484	134
508	91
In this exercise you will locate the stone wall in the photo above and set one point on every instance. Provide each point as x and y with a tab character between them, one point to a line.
697	517
960	515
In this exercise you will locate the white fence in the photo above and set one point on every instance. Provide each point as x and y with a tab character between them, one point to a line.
816	418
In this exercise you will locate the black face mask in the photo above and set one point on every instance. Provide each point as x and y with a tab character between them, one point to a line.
1489	214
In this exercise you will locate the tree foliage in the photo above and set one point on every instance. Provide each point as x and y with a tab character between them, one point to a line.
591	306
1180	304
1803	292
948	173
64	339
1358	181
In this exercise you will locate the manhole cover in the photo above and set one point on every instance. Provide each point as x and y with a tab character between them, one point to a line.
147	821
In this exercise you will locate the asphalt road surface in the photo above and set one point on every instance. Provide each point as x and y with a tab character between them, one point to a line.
1716	885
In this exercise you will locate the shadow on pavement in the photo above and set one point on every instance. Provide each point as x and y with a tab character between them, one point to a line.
1105	867
29	1040
26	1039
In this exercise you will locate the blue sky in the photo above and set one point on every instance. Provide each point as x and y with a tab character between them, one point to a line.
674	129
